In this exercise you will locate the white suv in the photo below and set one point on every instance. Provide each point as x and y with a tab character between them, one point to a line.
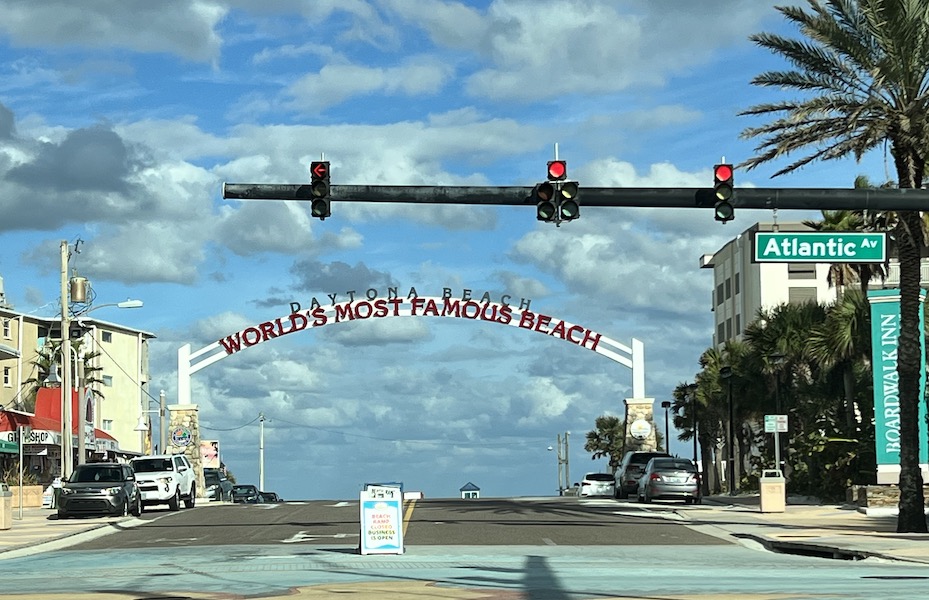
166	479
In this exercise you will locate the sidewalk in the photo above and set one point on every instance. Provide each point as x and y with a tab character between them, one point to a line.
835	531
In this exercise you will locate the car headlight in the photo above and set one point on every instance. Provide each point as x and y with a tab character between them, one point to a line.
166	482
112	491
65	491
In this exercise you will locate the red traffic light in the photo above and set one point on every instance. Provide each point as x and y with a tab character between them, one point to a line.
557	170
722	173
319	169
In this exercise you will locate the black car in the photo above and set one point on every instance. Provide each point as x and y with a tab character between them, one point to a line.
270	497
218	487
246	494
632	467
100	489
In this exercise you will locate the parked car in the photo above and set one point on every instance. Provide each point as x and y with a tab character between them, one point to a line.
670	478
166	479
218	487
100	489
631	468
270	497
598	484
245	494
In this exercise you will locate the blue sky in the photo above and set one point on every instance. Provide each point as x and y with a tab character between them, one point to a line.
119	122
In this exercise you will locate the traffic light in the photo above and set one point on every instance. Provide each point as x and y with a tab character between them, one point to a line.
723	191
544	195
556	198
566	195
319	188
557	170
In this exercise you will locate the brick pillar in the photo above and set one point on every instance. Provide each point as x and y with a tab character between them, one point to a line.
639	414
184	437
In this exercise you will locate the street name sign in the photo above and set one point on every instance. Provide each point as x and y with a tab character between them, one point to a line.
9	447
819	247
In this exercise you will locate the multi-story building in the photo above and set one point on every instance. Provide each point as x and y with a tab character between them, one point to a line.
119	358
741	287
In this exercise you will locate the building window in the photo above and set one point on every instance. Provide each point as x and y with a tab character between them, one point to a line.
738	323
737	286
7	378
801	271
728	329
107	425
799	295
7	329
106	336
720	333
719	294
728	289
108	380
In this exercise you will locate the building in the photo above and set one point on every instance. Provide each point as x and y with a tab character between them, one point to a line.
117	360
469	491
742	287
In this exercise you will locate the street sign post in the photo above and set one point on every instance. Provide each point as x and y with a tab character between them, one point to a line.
831	247
776	424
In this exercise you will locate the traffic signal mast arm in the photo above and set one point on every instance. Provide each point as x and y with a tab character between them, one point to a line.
760	198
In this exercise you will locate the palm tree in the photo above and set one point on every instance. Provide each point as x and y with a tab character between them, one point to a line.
864	71
607	440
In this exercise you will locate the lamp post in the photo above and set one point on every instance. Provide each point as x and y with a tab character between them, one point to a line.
665	404
726	373
81	401
66	442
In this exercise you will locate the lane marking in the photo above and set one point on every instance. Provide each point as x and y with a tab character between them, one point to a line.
407	515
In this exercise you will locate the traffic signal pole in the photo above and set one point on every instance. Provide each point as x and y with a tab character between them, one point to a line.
744	198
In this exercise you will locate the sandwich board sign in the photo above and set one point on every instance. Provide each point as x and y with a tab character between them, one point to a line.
381	519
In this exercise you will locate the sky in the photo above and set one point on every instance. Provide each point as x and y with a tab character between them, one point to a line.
120	122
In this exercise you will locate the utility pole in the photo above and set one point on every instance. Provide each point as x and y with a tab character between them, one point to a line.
261	452
162	434
66	440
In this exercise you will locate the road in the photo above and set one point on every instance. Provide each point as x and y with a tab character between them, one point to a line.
544	548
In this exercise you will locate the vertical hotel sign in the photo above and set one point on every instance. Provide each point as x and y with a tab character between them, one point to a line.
885	333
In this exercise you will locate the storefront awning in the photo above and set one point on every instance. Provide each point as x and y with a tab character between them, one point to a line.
8	352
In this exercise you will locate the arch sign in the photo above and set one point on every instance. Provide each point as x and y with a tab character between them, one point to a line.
415	306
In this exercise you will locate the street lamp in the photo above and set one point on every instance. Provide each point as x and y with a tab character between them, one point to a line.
726	373
665	404
82	419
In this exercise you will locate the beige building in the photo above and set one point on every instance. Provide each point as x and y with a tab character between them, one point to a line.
122	359
741	287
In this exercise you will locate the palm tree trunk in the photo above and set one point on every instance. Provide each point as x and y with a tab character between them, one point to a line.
911	517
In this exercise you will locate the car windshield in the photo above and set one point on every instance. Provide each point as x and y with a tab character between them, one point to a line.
598	477
244	489
211	478
152	465
96	474
674	465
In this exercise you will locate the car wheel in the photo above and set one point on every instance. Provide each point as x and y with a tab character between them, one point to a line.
62	514
191	499
137	510
125	511
646	497
622	493
697	500
175	502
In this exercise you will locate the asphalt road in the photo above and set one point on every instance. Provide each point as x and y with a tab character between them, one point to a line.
490	522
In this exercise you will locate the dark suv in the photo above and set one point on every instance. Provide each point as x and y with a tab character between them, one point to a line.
100	489
218	488
632	467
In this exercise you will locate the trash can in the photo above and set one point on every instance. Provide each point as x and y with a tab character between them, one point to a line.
6	507
772	491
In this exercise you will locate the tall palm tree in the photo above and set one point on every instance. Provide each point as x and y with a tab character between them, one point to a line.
606	441
864	74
